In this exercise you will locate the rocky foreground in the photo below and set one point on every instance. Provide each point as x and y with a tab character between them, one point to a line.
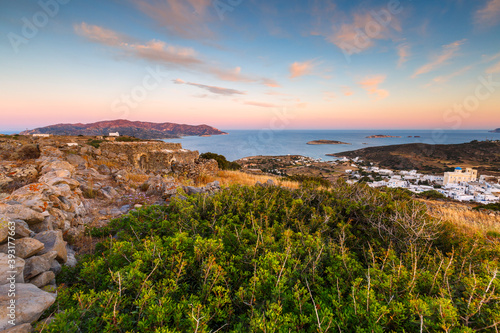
52	188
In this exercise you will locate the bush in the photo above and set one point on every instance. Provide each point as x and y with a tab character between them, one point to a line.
432	194
94	143
27	152
490	206
269	259
127	139
221	161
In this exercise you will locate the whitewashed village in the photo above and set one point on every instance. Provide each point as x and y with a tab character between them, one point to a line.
460	184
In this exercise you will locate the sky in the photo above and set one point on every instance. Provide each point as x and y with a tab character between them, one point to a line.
251	64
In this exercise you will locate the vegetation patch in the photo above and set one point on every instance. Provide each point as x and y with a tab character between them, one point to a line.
270	259
223	163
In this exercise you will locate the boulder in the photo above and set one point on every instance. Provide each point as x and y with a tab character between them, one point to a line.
103	169
22	229
23	328
61	173
64	180
6	267
24	247
55	267
21	212
34	266
76	160
53	241
108	192
57	165
30	303
43	279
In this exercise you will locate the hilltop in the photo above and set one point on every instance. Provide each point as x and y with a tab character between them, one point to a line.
496	130
483	155
138	129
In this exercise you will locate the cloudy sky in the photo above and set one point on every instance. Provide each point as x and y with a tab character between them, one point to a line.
239	64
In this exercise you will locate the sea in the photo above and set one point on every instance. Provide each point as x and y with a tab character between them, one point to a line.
243	143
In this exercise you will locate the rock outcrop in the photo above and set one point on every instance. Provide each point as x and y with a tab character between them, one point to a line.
72	186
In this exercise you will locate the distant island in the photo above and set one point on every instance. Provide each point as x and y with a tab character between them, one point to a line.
138	129
379	136
483	155
327	142
496	130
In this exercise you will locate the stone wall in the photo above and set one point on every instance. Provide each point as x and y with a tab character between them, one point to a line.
149	156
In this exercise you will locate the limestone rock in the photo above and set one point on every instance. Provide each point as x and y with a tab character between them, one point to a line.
24	247
5	267
53	241
23	328
31	302
57	165
21	212
43	279
108	192
76	160
34	266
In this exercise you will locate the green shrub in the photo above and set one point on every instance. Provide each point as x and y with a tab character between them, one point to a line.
221	161
432	194
490	206
269	259
94	143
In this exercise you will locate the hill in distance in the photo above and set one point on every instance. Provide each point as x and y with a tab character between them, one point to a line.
138	129
496	130
483	155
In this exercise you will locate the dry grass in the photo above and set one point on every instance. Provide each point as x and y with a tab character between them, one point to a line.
227	178
109	163
470	222
137	178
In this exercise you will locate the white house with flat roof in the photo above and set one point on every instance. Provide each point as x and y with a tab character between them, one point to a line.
114	134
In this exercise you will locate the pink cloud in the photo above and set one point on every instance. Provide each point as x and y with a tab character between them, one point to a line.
448	51
364	30
212	89
489	15
185	18
446	78
494	69
261	104
347	91
162	53
298	69
370	84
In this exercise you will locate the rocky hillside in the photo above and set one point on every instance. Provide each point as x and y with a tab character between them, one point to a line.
52	189
138	129
484	155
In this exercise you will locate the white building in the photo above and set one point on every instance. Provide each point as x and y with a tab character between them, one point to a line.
459	176
114	134
41	135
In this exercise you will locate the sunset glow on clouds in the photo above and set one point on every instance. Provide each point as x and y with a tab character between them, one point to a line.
334	64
